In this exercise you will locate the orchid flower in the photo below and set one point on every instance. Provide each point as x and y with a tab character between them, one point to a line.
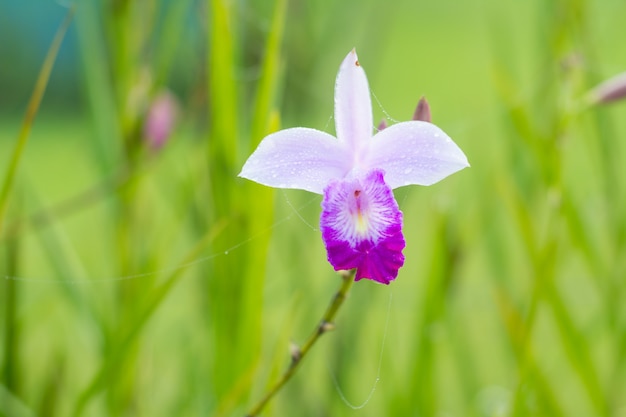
361	222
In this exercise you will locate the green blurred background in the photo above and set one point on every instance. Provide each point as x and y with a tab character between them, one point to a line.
153	282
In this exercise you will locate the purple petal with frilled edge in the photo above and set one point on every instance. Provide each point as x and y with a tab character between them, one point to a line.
361	227
301	158
415	153
353	106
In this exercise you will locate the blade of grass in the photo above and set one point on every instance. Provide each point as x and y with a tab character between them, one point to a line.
130	332
31	112
65	263
98	85
518	324
261	214
168	40
268	83
43	217
10	374
222	97
543	261
11	405
224	294
425	397
542	129
240	339
530	371
576	347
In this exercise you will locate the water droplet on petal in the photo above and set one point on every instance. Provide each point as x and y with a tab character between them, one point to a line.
408	170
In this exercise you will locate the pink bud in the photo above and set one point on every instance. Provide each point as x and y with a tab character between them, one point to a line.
382	125
422	112
610	90
160	120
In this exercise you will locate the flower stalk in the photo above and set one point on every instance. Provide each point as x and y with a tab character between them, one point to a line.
298	354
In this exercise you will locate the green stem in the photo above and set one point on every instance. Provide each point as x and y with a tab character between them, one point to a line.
324	325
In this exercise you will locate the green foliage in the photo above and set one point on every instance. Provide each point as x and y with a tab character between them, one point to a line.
156	282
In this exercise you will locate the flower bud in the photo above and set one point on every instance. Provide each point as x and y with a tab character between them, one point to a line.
422	111
160	120
610	90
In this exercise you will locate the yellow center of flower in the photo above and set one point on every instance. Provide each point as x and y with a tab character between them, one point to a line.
362	219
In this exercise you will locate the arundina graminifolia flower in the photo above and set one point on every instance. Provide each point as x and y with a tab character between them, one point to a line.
361	222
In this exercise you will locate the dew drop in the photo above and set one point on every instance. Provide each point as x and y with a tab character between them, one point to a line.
225	252
408	170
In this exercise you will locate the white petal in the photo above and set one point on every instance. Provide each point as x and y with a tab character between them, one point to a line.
415	153
353	106
301	158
